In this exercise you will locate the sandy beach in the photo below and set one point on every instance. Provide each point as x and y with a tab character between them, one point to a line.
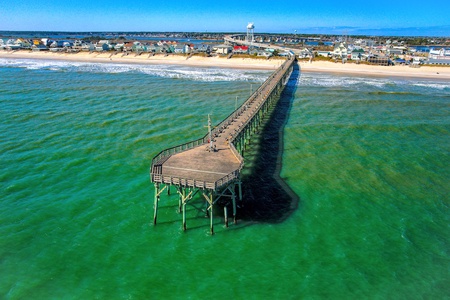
435	73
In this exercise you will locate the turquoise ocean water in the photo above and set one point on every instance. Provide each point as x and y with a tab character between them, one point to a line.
366	157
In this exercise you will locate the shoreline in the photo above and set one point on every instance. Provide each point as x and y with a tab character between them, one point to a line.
146	59
425	72
399	71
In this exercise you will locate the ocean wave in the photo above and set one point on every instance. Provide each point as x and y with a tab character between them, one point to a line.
393	93
356	83
433	85
165	71
332	80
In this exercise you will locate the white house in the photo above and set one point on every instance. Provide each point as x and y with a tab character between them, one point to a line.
439	53
223	49
439	56
340	50
102	45
324	53
357	54
304	53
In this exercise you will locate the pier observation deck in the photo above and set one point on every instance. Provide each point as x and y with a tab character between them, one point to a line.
212	165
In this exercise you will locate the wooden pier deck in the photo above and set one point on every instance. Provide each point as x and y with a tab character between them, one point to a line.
213	163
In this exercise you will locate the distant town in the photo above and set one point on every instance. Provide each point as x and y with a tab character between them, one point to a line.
414	51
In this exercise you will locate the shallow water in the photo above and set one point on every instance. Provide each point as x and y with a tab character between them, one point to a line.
367	158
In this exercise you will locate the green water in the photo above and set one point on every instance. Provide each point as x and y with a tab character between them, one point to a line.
366	157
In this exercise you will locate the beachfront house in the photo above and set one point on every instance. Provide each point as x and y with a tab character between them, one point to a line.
183	49
396	51
118	47
222	49
168	48
358	54
46	42
88	47
204	49
60	46
264	53
190	48
304	53
10	44
102	45
39	47
324	53
380	60
240	49
179	49
439	56
128	47
340	50
153	48
138	47
23	43
439	53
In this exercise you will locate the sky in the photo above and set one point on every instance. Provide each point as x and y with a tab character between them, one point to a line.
381	17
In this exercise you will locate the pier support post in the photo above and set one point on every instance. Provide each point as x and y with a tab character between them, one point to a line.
212	219
185	195
240	190
233	199
225	214
211	202
184	216
155	206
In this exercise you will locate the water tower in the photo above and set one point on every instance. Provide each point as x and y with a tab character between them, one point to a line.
250	28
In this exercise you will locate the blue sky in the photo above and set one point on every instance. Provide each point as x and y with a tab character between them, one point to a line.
333	17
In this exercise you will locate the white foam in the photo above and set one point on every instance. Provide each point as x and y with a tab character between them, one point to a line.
166	71
434	85
329	80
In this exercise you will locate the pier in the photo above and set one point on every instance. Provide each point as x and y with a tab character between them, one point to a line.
211	166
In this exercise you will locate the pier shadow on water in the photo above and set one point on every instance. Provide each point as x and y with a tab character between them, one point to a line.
266	196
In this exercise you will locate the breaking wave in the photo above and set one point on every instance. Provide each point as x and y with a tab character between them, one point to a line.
165	71
357	83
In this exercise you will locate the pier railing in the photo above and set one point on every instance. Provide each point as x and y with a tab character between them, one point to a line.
222	125
161	157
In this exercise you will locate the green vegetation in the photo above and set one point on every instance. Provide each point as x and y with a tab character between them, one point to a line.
419	41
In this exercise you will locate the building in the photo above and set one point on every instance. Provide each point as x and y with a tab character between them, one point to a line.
439	56
340	50
380	60
304	53
102	45
357	54
240	49
204	49
223	49
39	47
396	51
324	53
